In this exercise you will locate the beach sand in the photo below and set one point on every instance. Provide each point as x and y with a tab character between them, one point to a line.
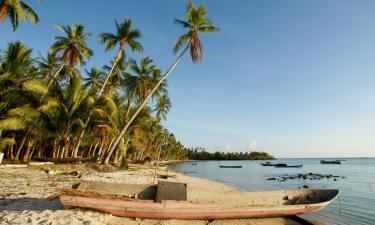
23	192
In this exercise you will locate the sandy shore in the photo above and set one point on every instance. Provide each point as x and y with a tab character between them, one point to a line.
23	192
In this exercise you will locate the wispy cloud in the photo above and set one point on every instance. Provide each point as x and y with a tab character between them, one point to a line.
228	146
251	145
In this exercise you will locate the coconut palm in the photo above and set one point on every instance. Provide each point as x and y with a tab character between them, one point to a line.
17	61
118	73
93	80
17	65
59	116
144	72
125	35
48	65
15	9
163	106
71	49
196	22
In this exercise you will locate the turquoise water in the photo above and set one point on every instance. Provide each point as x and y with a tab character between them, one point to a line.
356	204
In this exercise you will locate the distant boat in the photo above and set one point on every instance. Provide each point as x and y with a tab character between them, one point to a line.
230	166
330	162
270	164
282	165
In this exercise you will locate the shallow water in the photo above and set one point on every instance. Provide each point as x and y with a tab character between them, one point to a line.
356	204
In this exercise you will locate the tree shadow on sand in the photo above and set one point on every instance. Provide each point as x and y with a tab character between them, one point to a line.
25	203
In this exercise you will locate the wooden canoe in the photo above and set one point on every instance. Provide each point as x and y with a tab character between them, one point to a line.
259	205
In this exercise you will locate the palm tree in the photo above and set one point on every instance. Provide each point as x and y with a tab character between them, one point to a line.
163	106
125	35
15	9
196	22
118	73
71	49
17	65
144	72
93	80
59	116
48	65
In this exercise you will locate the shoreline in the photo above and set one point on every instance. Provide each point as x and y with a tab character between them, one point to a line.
23	192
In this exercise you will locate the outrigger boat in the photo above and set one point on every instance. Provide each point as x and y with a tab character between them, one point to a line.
249	204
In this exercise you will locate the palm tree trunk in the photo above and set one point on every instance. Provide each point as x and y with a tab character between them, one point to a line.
157	164
97	98
124	129
17	156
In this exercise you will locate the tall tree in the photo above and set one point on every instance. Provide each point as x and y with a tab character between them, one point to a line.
125	35
163	106
196	22
71	49
15	9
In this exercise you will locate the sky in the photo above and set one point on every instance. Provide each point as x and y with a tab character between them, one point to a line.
292	78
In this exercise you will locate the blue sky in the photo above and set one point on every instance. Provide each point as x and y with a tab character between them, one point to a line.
293	78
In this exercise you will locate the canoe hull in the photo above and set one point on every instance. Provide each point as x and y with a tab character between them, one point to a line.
186	210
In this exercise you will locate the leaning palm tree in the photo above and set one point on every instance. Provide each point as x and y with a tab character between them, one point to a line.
71	48
196	22
15	9
125	35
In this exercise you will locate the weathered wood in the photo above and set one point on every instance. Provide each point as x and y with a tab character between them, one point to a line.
140	191
260	205
171	191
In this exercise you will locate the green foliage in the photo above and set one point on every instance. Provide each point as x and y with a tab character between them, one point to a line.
72	48
46	104
196	22
15	10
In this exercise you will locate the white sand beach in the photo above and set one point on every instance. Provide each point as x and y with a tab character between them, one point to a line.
23	193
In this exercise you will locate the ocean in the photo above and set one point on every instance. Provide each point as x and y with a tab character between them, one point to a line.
356	204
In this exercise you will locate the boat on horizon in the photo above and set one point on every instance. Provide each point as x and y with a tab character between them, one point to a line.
330	162
249	205
221	166
283	165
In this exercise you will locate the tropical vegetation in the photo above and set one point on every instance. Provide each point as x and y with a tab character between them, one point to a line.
53	106
202	154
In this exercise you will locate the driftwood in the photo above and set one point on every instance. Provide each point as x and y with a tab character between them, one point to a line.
64	160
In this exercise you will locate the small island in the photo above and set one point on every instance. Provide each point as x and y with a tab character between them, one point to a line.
202	154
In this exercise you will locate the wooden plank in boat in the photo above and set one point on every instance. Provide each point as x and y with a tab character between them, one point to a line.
171	191
141	191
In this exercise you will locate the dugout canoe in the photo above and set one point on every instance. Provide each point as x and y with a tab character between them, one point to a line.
259	205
